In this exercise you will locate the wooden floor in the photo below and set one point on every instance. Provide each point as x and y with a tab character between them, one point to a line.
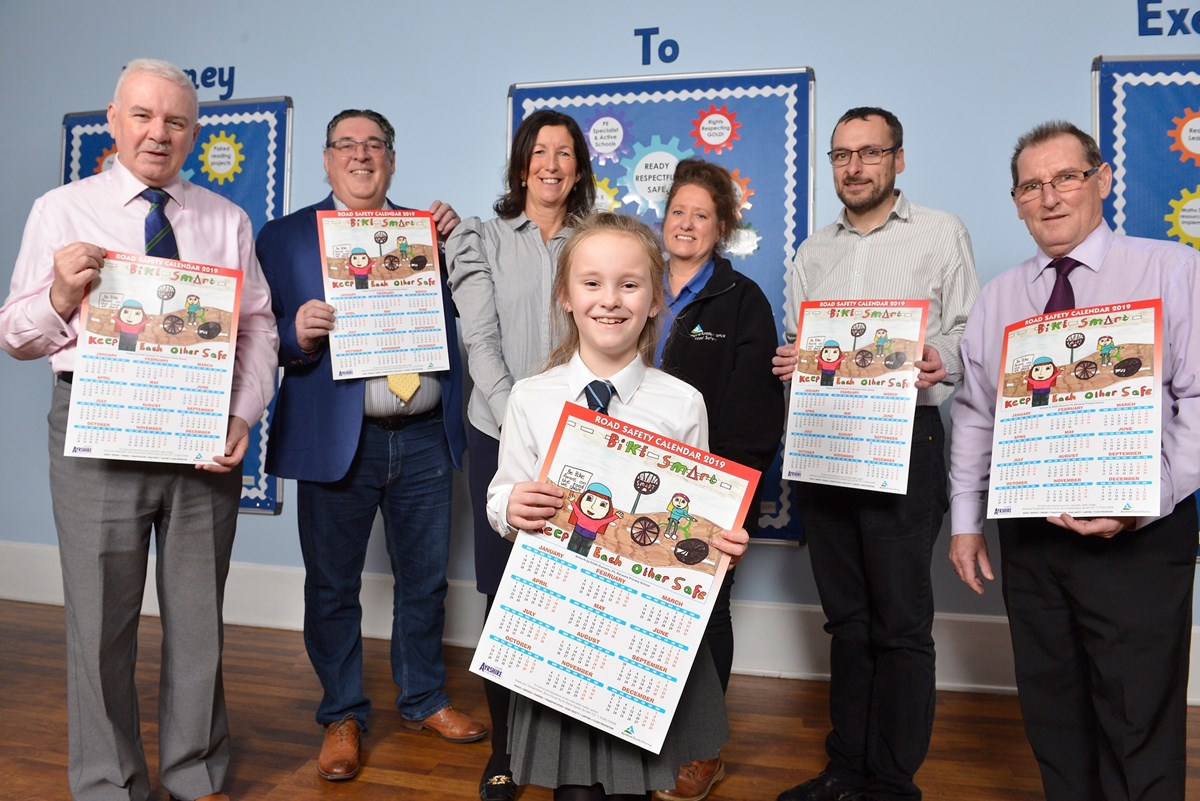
978	752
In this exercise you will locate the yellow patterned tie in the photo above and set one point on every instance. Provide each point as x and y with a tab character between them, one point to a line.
404	385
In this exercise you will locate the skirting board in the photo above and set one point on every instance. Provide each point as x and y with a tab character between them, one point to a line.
773	639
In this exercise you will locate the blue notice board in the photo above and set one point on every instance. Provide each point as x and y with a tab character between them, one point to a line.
243	152
1147	122
756	124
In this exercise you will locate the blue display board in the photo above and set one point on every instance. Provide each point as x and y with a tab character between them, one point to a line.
1147	123
243	152
758	125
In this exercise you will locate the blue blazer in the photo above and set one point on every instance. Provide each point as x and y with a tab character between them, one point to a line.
314	433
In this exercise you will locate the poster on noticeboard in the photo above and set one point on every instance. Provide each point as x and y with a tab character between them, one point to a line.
1146	120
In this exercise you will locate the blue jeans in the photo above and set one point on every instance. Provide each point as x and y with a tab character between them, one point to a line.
406	475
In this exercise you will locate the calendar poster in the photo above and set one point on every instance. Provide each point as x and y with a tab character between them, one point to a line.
854	393
155	361
600	614
383	278
1078	418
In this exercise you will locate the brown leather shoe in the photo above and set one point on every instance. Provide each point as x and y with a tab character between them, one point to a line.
339	751
451	724
694	781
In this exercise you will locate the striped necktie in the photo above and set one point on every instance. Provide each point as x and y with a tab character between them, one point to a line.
598	394
1062	296
160	238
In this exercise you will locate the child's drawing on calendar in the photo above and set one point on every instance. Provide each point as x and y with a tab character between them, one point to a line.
1041	378
853	395
154	372
1077	414
1109	350
1083	358
129	322
591	512
883	345
359	263
822	356
371	250
631	498
595	527
383	277
143	304
829	360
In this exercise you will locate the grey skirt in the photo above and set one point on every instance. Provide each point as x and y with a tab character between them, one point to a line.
549	749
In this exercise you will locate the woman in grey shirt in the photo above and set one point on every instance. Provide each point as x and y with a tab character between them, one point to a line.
500	274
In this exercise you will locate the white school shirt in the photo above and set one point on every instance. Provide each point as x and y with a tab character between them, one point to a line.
645	397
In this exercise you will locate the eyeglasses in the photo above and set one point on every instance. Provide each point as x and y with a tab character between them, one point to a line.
1063	184
348	147
867	155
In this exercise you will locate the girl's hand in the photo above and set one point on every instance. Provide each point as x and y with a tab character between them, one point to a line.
732	543
531	504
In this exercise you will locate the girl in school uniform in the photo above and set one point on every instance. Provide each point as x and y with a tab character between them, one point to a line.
607	294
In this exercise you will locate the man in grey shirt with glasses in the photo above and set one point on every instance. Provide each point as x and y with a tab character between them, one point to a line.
871	551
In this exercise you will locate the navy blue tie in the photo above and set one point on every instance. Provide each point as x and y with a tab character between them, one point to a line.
160	238
598	394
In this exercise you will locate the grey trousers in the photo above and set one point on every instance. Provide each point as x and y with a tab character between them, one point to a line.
105	511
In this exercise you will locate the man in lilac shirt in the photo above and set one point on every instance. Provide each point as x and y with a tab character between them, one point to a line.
1099	608
104	510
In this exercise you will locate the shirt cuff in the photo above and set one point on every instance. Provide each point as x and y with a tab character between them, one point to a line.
966	513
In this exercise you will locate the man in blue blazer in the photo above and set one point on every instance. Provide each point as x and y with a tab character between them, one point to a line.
356	447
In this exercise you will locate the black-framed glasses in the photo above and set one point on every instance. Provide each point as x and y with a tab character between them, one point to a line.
1063	184
867	155
348	147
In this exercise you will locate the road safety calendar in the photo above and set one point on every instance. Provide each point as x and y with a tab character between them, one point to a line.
154	363
854	393
1078	416
383	278
600	614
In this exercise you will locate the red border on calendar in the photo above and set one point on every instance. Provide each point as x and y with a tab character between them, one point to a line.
1078	414
154	365
854	393
599	615
383	277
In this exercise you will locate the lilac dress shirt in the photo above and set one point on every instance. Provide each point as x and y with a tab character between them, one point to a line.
1114	269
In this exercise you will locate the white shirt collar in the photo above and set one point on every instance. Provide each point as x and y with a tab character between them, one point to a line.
626	380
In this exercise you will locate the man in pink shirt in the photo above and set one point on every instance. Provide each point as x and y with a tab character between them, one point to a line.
105	510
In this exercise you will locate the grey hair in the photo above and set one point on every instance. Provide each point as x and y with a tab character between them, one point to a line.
160	69
1051	130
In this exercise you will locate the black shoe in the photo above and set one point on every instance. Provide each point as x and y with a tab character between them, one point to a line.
822	787
500	787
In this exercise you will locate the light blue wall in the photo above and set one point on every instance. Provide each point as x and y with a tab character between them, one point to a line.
965	78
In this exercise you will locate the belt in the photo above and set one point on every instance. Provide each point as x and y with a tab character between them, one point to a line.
65	377
402	420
